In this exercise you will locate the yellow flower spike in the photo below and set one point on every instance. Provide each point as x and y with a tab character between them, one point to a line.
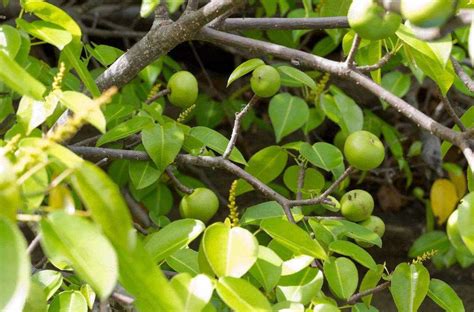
321	86
153	91
184	114
58	79
233	212
424	257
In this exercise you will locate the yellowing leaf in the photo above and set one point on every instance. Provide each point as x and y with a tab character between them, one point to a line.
443	197
459	181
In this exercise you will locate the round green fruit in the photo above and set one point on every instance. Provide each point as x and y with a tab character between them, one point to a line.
357	205
374	224
427	13
183	88
339	140
371	21
364	150
202	204
265	81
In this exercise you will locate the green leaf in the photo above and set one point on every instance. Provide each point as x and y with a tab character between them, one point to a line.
68	301
313	180
341	274
80	103
229	251
103	199
49	280
300	287
105	54
18	79
466	221
315	119
143	173
342	110
397	83
434	240
293	237
90	254
335	8
471	42
184	261
163	143
370	280
410	283
241	296
215	141
88	294
267	210
354	251
10	40
323	155
34	188
174	236
32	113
267	268
195	292
124	129
354	231
287	113
15	264
48	32
266	165
244	68
36	300
444	296
147	7
72	59
298	76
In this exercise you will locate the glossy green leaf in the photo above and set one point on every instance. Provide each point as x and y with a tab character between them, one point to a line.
88	294
298	76
68	301
174	236
32	113
195	292
267	210
466	221
124	129
344	111
315	119
15	264
266	165
36	300
105	54
10	40
288	306
80	103
293	237
184	261
90	254
410	283
353	251
397	83
34	188
300	287
369	281
354	231
444	296
434	240
18	79
215	141
143	173
48	32
229	251
241	296
72	58
323	155
313	180
325	307
49	280
267	268
160	201
287	113
147	7
342	276
243	69
335	8
103	199
163	143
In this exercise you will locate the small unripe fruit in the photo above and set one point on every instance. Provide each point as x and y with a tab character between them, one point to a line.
376	225
371	21
339	140
427	13
364	150
201	204
265	81
183	89
357	205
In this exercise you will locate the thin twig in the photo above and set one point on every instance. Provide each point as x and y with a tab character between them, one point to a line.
157	96
356	297
463	18
136	209
180	186
300	184
384	60
314	23
34	243
236	128
449	108
352	53
465	78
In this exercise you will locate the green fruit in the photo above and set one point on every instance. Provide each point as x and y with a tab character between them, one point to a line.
202	204
265	81
339	140
371	21
427	13
357	205
374	224
419	193
183	88
453	231
364	150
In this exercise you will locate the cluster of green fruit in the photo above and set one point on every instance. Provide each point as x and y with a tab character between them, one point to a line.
370	20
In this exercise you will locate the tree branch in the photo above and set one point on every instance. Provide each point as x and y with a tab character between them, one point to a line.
450	110
384	60
352	53
468	81
356	297
180	186
463	18
236	128
314	23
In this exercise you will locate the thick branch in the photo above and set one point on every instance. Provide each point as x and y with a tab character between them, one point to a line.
315	23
